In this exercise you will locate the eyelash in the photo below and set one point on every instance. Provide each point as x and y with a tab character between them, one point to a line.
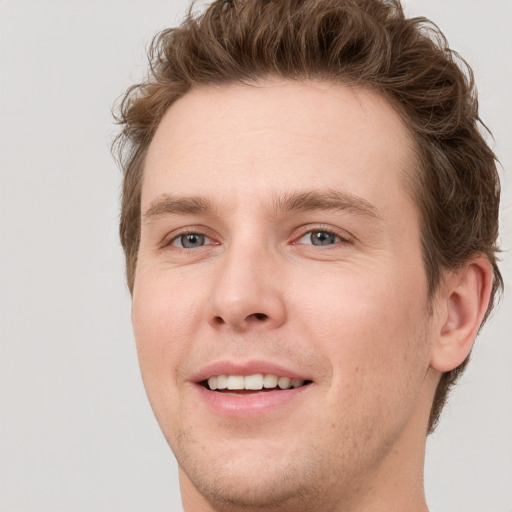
168	242
343	238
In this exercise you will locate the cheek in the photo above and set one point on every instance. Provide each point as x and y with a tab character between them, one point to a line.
375	341
163	317
368	328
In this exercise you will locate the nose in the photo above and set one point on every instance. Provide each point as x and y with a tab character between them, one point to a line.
249	291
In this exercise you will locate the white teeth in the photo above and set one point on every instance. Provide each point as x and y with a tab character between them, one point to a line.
222	382
284	382
270	381
236	382
254	382
212	383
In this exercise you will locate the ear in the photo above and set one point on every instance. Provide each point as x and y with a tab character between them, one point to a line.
461	306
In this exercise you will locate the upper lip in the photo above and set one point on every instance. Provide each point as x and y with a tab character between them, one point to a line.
246	368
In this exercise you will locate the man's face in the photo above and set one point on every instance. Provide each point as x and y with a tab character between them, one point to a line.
279	242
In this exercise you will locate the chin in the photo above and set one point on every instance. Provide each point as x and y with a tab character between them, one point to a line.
253	479
261	490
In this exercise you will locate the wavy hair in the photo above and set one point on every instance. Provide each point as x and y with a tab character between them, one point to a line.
365	43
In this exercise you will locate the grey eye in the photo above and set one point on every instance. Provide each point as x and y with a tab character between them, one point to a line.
189	241
319	238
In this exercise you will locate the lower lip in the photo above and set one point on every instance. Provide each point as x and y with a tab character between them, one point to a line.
254	404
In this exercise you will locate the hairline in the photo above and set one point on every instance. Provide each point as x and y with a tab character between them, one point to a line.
412	169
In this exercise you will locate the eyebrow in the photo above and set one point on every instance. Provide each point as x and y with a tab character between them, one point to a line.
311	200
167	204
317	200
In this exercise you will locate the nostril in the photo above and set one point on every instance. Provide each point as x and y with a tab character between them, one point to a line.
253	319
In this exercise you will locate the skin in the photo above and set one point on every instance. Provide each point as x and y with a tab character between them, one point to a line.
352	316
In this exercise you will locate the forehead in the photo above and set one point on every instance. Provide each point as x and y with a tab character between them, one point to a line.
235	140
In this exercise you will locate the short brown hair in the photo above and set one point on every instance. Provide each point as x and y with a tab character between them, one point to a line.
367	43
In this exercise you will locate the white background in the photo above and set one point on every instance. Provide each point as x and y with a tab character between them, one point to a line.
76	432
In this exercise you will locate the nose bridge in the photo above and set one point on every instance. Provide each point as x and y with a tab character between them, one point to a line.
247	294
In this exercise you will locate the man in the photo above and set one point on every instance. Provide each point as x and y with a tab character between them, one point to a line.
309	219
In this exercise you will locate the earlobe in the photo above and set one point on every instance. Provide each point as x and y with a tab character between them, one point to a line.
461	309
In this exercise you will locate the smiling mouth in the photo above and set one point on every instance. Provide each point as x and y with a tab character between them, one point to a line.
249	384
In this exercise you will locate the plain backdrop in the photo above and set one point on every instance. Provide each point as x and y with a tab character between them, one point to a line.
76	431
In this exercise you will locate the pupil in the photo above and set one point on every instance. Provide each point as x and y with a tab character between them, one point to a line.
192	240
322	238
